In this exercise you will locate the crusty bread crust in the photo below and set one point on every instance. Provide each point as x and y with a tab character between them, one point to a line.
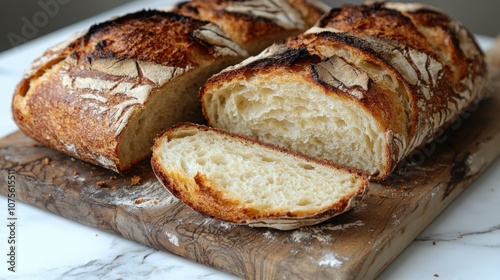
493	58
255	24
434	67
80	97
204	196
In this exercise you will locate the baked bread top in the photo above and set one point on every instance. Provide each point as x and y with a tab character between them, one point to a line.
255	24
80	96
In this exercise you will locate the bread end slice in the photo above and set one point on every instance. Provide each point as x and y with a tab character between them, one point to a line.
239	180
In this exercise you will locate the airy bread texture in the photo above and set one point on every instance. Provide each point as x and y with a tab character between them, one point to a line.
364	88
239	180
256	24
103	96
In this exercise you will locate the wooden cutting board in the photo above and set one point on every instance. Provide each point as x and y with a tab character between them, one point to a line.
355	245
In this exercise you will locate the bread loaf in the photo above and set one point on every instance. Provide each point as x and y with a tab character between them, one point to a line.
103	95
238	180
256	24
364	88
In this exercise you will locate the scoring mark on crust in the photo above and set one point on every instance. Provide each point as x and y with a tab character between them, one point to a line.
338	73
278	11
98	91
215	37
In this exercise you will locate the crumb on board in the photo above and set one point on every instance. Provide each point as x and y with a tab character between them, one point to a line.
73	159
46	161
135	180
113	178
436	275
101	184
433	242
377	195
145	199
75	173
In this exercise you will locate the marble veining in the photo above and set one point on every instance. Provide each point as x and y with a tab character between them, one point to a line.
489	237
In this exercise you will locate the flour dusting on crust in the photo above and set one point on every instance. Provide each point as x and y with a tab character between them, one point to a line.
278	11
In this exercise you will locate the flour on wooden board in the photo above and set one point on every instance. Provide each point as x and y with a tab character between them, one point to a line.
226	225
320	233
149	194
332	260
268	235
172	238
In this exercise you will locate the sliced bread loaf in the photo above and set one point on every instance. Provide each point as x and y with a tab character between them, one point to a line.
239	180
104	96
364	88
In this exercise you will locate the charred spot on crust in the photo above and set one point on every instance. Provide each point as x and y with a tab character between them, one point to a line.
140	15
347	39
287	58
323	21
149	35
379	21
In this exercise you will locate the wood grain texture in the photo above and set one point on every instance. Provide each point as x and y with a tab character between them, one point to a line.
355	245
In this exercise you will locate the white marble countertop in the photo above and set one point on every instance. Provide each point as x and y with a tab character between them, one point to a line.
462	243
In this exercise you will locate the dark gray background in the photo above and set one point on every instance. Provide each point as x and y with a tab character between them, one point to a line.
481	16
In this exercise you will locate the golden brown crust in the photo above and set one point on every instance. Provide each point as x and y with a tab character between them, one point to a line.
433	59
375	20
79	99
255	24
311	10
203	196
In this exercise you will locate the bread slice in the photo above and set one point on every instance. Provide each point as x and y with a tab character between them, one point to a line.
256	24
105	95
364	88
239	180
